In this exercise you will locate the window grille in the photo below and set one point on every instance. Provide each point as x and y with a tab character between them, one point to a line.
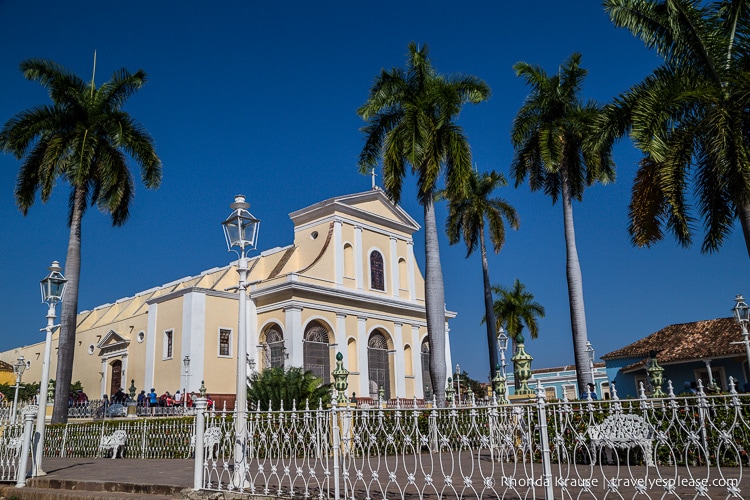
315	351
377	276
377	360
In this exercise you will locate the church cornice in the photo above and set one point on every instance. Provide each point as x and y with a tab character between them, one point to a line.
358	300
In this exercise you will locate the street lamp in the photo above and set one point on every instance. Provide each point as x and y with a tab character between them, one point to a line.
53	288
186	365
742	316
18	368
241	232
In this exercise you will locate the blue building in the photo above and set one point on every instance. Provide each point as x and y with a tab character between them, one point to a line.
562	382
710	351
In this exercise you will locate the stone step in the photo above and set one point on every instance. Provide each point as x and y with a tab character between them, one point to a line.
51	488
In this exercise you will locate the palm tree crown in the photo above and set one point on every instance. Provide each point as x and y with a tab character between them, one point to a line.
466	220
553	136
410	116
689	118
515	308
83	138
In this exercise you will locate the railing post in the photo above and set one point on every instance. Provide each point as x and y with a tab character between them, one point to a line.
336	444
200	424
541	404
28	424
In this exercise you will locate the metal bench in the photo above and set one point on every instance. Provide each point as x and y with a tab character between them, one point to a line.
211	442
114	442
117	410
623	432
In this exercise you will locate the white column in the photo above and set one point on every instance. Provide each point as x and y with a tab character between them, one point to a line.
358	267
341	339
293	336
364	369
193	339
338	253
148	375
124	381
252	327
416	353
399	368
103	388
710	373
411	264
394	267
448	357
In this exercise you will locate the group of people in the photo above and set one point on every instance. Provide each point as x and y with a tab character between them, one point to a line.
167	400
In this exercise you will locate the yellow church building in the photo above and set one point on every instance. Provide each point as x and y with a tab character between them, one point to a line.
348	283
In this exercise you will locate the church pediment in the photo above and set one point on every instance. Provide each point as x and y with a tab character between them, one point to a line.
370	206
112	342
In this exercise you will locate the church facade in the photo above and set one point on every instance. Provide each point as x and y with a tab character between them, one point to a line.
348	283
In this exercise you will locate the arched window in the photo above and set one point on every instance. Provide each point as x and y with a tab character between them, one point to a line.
426	379
377	361
377	275
315	351
273	347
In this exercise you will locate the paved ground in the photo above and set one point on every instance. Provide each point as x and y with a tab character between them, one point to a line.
132	471
168	479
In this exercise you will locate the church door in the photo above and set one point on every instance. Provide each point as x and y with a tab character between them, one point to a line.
116	377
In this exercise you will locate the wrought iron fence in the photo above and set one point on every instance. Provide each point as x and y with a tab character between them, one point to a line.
675	446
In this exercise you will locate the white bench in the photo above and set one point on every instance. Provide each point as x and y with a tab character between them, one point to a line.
623	432
117	410
211	442
15	444
115	443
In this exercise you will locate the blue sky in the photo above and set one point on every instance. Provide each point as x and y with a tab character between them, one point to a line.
261	99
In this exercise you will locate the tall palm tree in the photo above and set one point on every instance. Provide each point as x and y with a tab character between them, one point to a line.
82	138
552	136
411	115
466	219
689	118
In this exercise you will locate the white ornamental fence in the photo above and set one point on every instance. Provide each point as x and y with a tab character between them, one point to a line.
683	447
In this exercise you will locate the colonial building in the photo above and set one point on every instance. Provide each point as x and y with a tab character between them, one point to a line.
561	382
348	283
708	350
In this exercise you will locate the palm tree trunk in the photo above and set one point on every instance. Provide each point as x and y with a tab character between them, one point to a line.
575	288
744	216
69	309
434	303
489	310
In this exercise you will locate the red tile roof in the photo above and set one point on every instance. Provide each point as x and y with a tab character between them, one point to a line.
699	340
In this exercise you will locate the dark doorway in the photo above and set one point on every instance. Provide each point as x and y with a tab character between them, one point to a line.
116	377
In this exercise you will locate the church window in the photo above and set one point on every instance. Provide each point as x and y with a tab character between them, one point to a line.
377	274
315	351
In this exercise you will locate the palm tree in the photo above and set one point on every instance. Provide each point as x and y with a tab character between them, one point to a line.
411	116
82	138
689	118
274	387
466	219
516	308
552	135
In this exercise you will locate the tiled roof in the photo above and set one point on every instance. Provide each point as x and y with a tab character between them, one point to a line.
699	340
